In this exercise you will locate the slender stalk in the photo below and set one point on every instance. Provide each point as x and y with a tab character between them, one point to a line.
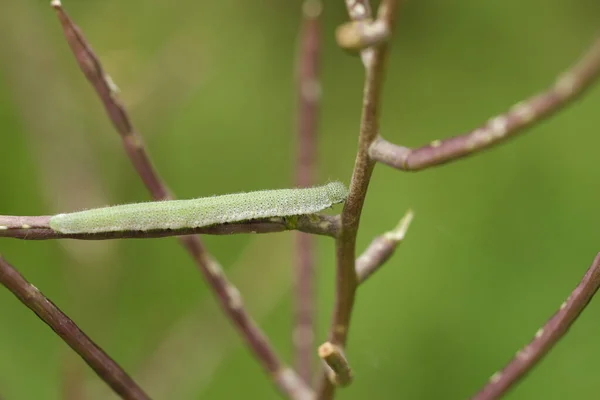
307	119
568	87
227	295
107	369
545	338
38	228
346	277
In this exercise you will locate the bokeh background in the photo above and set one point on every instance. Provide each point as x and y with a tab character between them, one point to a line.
498	242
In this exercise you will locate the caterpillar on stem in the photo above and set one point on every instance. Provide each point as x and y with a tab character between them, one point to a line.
204	211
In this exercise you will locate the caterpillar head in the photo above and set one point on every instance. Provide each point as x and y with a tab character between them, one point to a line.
336	192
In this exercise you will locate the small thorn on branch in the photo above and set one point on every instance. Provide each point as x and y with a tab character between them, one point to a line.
358	35
340	373
382	248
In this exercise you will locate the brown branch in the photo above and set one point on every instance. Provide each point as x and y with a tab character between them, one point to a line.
308	89
346	277
38	228
107	369
545	338
381	249
568	87
337	364
227	295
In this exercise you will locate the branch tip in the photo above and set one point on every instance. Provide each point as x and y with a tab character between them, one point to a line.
381	249
340	373
399	232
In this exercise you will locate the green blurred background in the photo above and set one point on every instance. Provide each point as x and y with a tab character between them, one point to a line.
498	242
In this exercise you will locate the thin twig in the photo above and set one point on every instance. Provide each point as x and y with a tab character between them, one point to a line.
38	228
568	87
545	338
227	295
107	369
307	119
346	277
381	249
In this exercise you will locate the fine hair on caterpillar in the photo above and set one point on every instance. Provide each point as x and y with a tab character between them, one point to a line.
200	212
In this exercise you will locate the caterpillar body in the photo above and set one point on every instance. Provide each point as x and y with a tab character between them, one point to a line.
204	211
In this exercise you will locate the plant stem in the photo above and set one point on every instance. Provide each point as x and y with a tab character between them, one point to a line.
308	90
107	369
346	277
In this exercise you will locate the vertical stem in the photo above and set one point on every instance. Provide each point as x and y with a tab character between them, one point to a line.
346	277
307	120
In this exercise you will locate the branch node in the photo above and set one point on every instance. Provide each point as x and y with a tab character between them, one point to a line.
355	36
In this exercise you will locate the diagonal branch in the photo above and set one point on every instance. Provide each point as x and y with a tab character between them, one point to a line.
227	295
545	338
346	277
107	369
38	228
568	87
309	93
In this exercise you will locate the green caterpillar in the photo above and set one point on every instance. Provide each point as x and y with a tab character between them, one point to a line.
204	211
